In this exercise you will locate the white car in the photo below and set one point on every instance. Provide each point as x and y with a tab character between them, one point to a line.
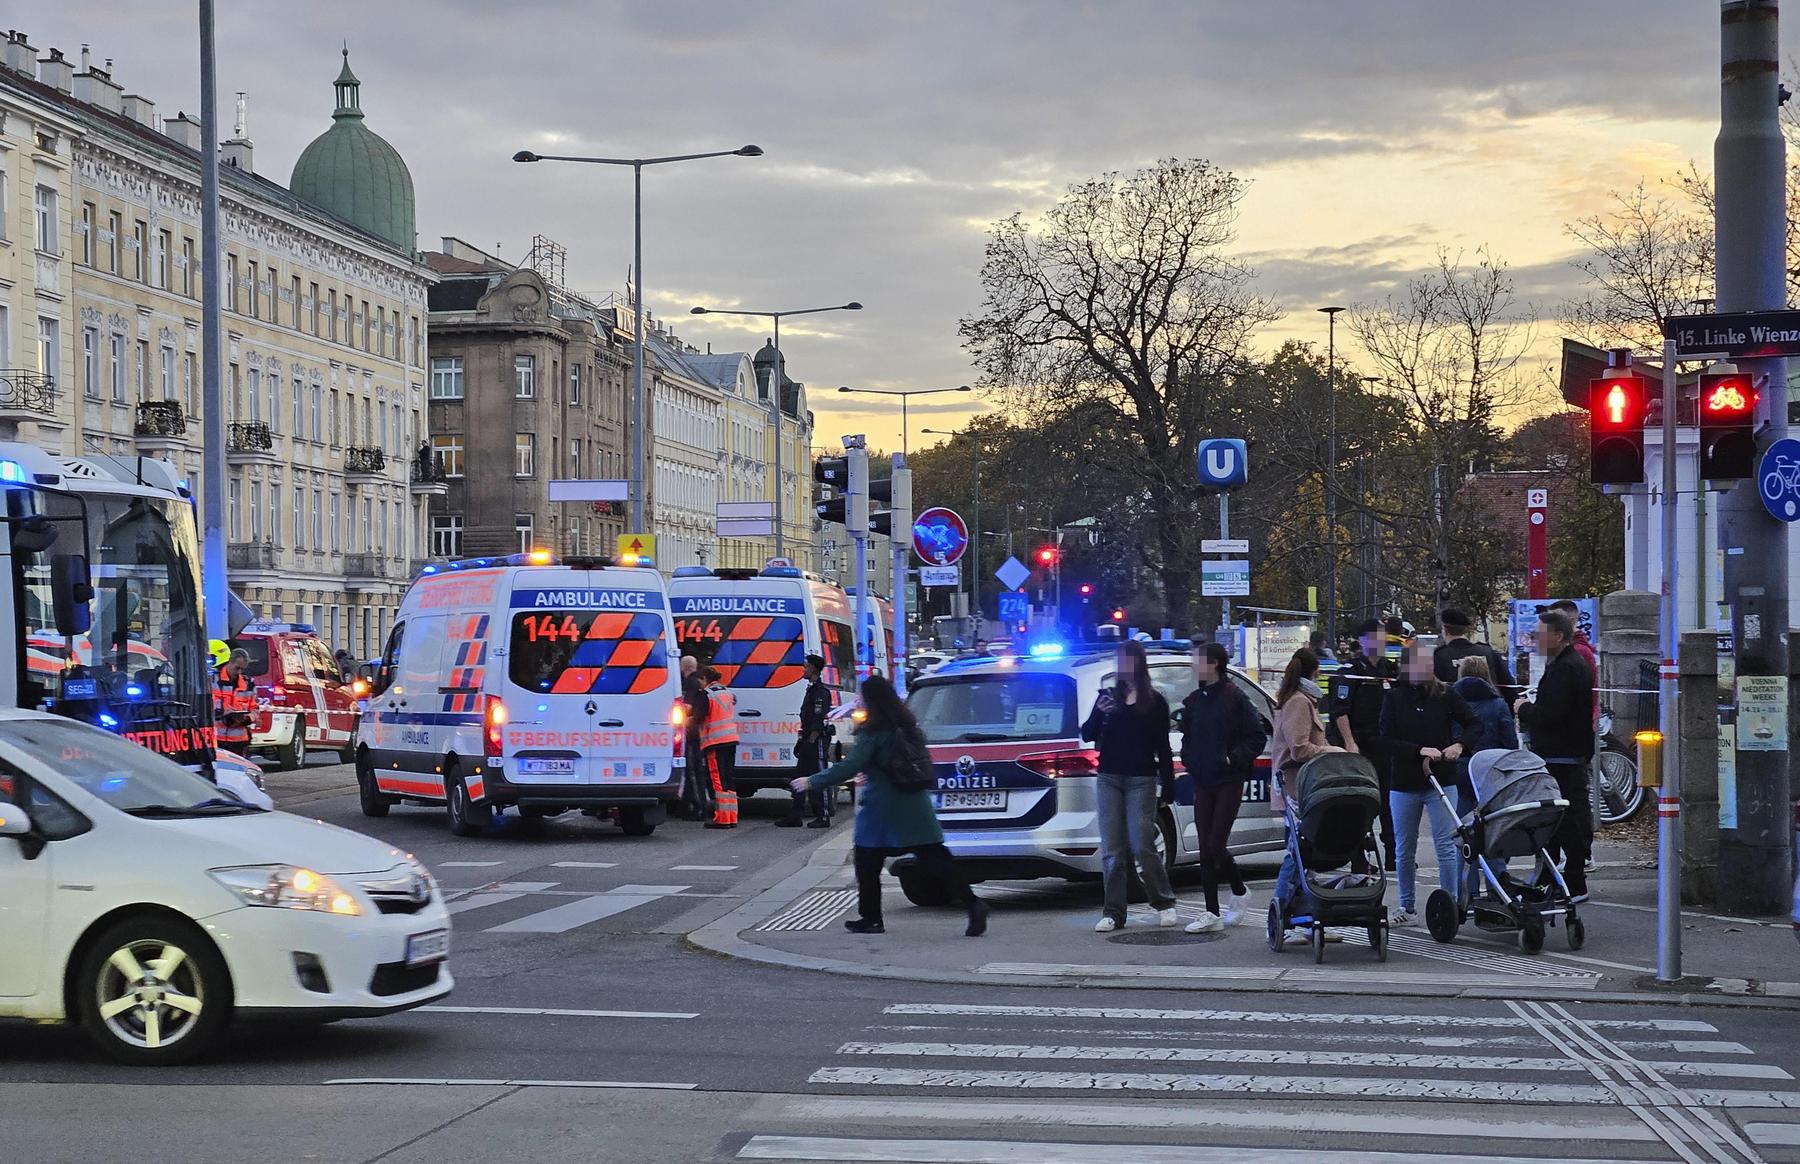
139	901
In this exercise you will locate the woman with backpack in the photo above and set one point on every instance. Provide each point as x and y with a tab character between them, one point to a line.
1130	727
1475	683
894	813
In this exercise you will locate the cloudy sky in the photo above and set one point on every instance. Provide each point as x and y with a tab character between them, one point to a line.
1372	132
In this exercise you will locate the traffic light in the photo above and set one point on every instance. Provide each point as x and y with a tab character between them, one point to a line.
1045	557
1086	589
1616	404
1727	427
881	492
834	510
1118	616
832	474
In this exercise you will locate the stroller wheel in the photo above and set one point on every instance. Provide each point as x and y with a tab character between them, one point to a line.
1531	934
1277	927
1318	942
1378	939
1576	931
1442	917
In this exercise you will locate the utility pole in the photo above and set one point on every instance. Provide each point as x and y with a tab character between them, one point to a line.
1668	807
857	518
217	587
900	505
1331	564
1750	223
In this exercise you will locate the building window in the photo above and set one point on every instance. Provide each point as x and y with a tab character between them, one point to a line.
294	294
90	362
272	384
299	517
5	202
168	373
234	518
331	417
575	457
318	420
231	283
381	331
524	377
299	408
447	448
115	225
446	535
188	385
256	511
381	416
143	370
523	529
368	325
274	513
575	384
46	220
313	290
116	368
187	267
254	379
49	349
334	523
140	243
165	245
88	241
524	454
446	378
331	315
255	291
318	532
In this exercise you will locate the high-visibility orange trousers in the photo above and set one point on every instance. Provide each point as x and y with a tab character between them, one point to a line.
721	766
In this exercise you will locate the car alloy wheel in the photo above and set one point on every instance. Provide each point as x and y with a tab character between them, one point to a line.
151	994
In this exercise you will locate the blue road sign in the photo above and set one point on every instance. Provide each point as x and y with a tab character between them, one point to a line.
1778	479
1222	463
1015	607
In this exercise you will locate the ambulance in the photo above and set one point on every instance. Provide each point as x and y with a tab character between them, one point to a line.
526	682
756	629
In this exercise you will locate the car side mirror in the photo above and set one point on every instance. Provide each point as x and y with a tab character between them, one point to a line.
13	821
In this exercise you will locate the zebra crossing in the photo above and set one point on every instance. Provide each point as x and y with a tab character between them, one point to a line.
1542	1082
549	908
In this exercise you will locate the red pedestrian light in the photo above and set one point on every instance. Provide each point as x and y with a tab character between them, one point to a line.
1118	616
1046	556
1086	589
1616	405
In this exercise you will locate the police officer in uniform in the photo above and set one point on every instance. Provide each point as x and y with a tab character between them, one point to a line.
809	749
1356	692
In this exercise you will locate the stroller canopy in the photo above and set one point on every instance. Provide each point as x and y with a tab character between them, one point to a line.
1517	801
1336	776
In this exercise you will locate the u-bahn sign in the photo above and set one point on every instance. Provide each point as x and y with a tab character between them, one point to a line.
1747	334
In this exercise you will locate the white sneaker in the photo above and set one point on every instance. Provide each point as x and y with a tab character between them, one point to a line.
1207	923
1237	909
1400	917
1105	925
1167	918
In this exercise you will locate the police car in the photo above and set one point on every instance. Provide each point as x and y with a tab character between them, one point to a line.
530	682
1016	787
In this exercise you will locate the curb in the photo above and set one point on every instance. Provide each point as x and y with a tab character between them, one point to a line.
802	873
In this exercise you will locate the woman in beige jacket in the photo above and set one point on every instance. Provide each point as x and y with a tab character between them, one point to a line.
1299	736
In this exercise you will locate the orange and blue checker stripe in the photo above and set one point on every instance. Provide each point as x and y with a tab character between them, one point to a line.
467	643
621	654
762	652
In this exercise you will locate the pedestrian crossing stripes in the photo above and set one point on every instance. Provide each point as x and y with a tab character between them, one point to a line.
815	911
1533	1081
570	909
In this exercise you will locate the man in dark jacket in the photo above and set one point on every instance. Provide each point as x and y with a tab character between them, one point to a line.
1457	646
1221	737
1356	692
1559	721
696	802
809	749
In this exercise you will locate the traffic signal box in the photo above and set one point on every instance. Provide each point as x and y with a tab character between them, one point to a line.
1045	557
882	492
833	473
1727	427
1617	404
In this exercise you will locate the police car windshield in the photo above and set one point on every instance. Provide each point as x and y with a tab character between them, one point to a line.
977	708
748	650
588	652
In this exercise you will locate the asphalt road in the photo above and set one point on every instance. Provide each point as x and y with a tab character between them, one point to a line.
583	1029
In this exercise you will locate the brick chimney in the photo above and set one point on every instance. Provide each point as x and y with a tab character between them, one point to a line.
56	72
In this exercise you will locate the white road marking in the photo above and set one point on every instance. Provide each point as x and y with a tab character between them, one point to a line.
559	1012
600	1083
1155	1014
582	911
1774	1135
1286	1058
584	864
1044	1152
1165	1035
1492	1091
477	900
701	868
527	886
1566	980
1598	1124
468	864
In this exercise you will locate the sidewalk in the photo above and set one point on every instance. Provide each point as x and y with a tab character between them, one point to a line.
1041	934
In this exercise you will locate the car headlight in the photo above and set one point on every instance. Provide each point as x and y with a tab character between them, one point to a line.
287	887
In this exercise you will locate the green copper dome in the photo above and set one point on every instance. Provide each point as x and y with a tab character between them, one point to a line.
351	172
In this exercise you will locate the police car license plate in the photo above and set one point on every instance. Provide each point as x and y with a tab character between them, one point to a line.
550	766
428	947
971	801
1256	791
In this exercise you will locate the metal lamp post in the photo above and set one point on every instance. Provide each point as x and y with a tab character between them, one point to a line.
775	375
636	509
903	393
1331	314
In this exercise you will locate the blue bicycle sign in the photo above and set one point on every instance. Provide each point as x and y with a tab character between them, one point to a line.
1778	479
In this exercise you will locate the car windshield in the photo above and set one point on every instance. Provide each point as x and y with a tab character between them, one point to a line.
129	778
977	708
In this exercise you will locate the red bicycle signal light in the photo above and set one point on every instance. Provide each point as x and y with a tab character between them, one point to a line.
1617	405
1727	427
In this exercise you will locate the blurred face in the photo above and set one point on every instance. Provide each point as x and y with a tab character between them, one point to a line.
1415	667
1205	670
1549	642
1373	644
1122	666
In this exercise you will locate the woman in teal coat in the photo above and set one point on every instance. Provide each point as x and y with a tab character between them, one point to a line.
891	820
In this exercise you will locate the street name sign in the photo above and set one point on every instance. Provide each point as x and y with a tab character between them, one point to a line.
586	489
1227	579
744	519
1749	334
1225	546
940	576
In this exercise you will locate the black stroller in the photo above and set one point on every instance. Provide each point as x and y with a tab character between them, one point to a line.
1517	808
1331	814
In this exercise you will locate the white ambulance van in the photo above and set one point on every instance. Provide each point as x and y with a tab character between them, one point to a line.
756	629
531	683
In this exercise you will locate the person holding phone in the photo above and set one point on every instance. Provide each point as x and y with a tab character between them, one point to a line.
1130	726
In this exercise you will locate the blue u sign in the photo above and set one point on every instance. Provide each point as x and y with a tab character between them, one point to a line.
1222	463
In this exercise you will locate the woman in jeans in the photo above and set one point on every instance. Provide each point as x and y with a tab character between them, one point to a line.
1130	726
891	820
1425	728
1221	737
1299	736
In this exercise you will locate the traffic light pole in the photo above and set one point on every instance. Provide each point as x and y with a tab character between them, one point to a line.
1750	223
857	512
1668	810
901	534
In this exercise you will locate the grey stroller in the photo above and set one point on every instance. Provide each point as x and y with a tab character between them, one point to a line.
1517	808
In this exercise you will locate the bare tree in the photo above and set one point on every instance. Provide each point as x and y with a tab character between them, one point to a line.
1120	300
1647	258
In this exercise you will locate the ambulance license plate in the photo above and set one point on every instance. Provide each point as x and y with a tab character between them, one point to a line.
550	766
428	947
971	802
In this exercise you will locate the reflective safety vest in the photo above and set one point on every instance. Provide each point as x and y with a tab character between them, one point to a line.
233	696
721	718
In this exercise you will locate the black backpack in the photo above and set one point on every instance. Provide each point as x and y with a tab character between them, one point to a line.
908	763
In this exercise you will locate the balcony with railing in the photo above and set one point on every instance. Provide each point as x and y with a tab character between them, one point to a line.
249	441
365	466
428	476
26	395
161	427
252	556
362	568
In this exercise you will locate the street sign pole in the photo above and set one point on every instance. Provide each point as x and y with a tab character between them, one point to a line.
1668	806
858	514
1751	223
1225	601
901	504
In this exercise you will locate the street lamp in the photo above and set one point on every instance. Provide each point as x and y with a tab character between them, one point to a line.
903	393
636	507
1331	314
775	375
1365	550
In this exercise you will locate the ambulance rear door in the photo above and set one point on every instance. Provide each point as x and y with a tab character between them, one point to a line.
590	676
835	617
756	632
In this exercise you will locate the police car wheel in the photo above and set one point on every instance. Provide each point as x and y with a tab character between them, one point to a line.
923	891
467	819
1165	852
373	802
292	754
